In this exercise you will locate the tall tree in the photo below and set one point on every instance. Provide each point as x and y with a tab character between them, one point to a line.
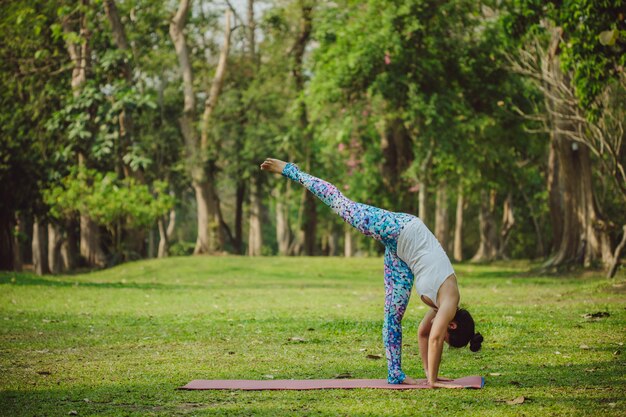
77	35
32	72
202	167
257	208
574	53
307	217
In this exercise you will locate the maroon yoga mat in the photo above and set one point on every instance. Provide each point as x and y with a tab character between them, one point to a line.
302	384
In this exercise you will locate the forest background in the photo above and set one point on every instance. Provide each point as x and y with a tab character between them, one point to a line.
135	129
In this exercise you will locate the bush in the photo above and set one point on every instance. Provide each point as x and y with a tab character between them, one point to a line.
182	248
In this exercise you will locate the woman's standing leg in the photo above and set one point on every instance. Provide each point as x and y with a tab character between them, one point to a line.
378	223
398	284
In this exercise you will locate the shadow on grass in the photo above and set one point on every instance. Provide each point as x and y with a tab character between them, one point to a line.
584	376
20	279
210	282
498	274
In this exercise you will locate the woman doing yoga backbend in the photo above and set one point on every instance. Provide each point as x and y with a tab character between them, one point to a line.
412	253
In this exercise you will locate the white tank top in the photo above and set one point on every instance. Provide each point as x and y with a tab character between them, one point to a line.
423	253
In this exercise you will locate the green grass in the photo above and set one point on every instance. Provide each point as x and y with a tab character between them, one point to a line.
120	341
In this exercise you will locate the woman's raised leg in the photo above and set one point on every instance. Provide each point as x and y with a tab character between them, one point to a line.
378	223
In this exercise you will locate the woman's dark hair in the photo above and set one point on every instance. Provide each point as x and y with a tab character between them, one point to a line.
464	332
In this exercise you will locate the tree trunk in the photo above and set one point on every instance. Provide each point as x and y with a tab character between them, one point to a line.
441	215
69	246
134	243
305	239
18	257
255	236
55	241
208	240
218	228
283	230
348	245
240	195
324	243
164	244
488	247
166	234
90	248
40	253
508	221
422	197
617	255
216	85
541	251
79	52
458	227
310	224
397	152
8	241
151	243
423	183
595	226
171	225
555	195
582	238
283	234
90	242
570	245
333	240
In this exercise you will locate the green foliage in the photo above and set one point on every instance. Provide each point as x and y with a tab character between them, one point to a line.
439	67
593	40
90	120
594	46
31	84
108	200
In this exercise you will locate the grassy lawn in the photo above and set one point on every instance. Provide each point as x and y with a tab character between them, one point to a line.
120	341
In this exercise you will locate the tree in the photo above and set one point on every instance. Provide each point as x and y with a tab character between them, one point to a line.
574	52
32	69
77	33
201	159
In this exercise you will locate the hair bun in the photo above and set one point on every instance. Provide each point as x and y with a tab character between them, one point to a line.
475	342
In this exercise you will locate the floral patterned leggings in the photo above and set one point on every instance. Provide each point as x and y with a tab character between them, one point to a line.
384	226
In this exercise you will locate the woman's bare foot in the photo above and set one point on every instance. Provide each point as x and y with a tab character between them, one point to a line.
273	165
409	381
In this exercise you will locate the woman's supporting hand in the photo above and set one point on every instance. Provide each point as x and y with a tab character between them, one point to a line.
423	332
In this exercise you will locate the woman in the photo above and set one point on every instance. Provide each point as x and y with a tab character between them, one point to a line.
411	251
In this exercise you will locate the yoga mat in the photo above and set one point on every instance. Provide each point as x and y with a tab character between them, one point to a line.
305	384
